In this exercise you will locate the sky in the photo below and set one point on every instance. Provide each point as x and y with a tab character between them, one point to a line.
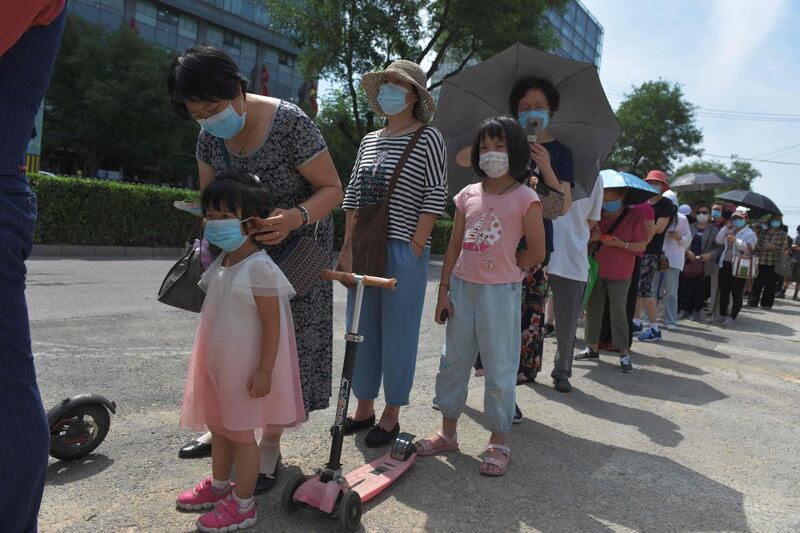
731	55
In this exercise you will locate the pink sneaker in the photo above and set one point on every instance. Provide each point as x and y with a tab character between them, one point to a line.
202	496
227	516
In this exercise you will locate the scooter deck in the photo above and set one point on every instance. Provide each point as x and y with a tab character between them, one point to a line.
372	478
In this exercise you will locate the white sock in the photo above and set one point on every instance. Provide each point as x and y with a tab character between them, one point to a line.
205	438
219	485
637	321
269	452
244	503
654	326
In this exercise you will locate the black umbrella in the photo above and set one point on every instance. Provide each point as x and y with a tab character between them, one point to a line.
585	121
702	181
758	202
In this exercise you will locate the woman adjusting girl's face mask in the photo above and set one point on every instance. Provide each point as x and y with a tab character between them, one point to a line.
224	124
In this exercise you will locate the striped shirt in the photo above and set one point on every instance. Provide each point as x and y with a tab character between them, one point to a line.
421	187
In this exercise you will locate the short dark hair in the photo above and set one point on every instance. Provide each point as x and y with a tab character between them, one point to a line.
519	153
203	74
700	203
235	190
528	84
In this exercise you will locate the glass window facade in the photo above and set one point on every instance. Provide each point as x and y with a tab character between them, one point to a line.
580	35
175	29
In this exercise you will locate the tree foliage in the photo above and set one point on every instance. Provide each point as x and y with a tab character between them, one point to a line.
658	128
108	105
341	40
742	171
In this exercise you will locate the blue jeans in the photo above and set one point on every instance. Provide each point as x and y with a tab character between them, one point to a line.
24	76
668	286
485	319
390	323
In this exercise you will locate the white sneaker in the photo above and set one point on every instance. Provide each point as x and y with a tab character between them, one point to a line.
672	327
728	322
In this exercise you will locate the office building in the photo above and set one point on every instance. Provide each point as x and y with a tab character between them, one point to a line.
580	34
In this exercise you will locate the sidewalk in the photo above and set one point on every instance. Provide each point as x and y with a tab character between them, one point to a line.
701	437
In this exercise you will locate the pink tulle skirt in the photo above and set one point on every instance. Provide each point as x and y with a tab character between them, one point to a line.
216	394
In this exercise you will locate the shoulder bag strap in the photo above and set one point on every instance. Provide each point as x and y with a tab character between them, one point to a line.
412	143
613	227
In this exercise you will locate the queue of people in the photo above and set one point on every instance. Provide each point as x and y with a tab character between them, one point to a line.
262	357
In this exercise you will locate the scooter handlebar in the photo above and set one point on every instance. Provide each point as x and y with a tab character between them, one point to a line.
350	279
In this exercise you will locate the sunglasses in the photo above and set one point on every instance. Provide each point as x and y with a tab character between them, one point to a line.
703	212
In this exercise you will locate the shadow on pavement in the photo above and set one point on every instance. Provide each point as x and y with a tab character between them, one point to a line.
747	322
669	364
557	482
657	428
649	384
692	348
63	472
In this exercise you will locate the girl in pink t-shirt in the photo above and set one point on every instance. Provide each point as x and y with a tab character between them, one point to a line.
480	290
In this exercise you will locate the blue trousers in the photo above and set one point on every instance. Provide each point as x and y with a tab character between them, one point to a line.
390	323
485	319
24	76
668	286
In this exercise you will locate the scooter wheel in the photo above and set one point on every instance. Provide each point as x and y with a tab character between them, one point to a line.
287	497
350	511
87	425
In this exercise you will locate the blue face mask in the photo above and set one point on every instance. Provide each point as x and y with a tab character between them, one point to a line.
227	234
775	223
739	222
392	98
224	124
715	214
535	114
613	206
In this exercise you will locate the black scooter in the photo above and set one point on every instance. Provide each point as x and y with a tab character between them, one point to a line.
78	425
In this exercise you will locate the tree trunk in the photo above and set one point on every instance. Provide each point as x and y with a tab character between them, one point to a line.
351	86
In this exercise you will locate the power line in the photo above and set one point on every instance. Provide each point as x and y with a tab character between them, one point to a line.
789	163
722	114
772	153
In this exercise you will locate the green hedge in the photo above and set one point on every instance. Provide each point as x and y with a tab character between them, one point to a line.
93	212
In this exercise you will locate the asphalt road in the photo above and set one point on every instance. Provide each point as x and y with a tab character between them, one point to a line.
703	436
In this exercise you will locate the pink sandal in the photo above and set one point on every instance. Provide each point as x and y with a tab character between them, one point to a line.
445	444
499	463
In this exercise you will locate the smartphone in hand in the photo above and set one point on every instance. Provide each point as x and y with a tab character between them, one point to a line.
444	315
534	127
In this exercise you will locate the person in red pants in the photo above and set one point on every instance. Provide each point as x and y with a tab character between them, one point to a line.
30	34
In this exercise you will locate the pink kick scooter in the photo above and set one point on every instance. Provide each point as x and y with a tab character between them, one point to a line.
329	490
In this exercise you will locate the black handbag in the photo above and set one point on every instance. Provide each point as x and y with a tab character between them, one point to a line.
179	288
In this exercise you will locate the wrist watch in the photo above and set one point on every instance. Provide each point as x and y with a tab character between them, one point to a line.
303	214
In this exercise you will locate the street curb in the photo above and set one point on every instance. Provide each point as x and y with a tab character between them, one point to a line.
134	252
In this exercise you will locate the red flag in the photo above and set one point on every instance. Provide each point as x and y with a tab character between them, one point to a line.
264	80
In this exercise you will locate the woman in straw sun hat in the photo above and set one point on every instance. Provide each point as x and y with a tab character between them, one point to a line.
390	321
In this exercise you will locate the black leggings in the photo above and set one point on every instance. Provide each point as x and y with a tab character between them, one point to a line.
730	286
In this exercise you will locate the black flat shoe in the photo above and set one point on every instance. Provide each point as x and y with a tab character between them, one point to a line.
378	436
562	385
195	450
352	426
267	481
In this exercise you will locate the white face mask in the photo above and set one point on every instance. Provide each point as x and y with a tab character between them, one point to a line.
702	219
494	164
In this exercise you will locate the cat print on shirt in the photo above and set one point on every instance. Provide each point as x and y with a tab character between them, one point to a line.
484	234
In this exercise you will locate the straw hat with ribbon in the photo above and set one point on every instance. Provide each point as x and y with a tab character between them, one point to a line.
407	71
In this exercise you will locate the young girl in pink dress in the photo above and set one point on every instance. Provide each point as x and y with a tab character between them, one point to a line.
243	374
